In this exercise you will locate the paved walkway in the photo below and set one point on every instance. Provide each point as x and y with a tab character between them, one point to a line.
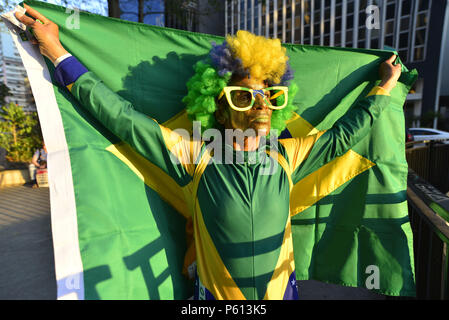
26	252
26	248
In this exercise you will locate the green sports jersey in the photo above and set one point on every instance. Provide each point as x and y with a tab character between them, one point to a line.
238	213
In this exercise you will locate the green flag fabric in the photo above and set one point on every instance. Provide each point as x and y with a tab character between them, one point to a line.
116	237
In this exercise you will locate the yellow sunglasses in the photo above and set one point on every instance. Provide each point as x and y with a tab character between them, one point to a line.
243	99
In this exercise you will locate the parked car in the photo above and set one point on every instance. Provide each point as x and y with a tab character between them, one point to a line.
409	136
427	134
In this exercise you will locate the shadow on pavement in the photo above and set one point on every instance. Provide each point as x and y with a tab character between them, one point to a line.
26	248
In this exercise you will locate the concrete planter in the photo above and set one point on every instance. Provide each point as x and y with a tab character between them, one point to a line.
9	178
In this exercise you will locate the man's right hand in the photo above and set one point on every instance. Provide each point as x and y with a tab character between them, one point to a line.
46	33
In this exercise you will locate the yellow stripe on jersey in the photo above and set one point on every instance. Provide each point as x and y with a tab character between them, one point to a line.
299	127
284	164
215	277
211	270
279	280
182	147
298	149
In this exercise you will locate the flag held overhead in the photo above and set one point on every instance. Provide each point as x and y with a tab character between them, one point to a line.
118	232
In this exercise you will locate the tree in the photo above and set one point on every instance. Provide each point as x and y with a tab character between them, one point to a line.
4	92
20	134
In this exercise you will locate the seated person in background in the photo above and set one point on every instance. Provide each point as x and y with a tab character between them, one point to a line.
240	214
39	161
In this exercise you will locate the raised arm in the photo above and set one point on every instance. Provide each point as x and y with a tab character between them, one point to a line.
312	151
161	146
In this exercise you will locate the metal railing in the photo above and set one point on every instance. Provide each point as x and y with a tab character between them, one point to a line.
430	160
429	216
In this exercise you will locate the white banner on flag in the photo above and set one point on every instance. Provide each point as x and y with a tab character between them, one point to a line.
68	264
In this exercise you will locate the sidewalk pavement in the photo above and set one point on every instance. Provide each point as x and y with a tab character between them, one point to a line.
26	248
27	261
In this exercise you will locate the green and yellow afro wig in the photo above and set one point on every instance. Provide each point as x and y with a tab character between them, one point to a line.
244	54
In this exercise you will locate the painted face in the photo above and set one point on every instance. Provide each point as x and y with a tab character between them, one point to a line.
257	118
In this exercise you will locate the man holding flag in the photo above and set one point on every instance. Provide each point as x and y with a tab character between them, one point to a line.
240	216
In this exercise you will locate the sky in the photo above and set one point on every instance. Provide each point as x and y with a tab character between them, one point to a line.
97	6
7	44
94	6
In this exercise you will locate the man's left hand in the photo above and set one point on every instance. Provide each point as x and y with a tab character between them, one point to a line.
389	73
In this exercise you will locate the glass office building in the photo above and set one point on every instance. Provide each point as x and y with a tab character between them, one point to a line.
401	24
13	74
414	28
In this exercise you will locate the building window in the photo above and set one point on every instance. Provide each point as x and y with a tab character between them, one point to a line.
321	22
152	11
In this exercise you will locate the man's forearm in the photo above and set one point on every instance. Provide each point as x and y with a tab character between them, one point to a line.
357	123
345	133
387	85
118	115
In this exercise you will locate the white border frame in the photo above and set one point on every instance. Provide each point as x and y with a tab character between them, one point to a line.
64	225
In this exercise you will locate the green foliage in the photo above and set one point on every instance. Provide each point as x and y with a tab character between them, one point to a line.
19	133
4	92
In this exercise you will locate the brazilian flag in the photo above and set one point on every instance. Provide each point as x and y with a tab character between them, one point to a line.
116	238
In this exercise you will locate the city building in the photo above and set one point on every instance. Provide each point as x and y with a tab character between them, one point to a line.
13	74
414	28
204	16
444	94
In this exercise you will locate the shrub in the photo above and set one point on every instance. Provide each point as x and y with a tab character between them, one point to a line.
19	133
